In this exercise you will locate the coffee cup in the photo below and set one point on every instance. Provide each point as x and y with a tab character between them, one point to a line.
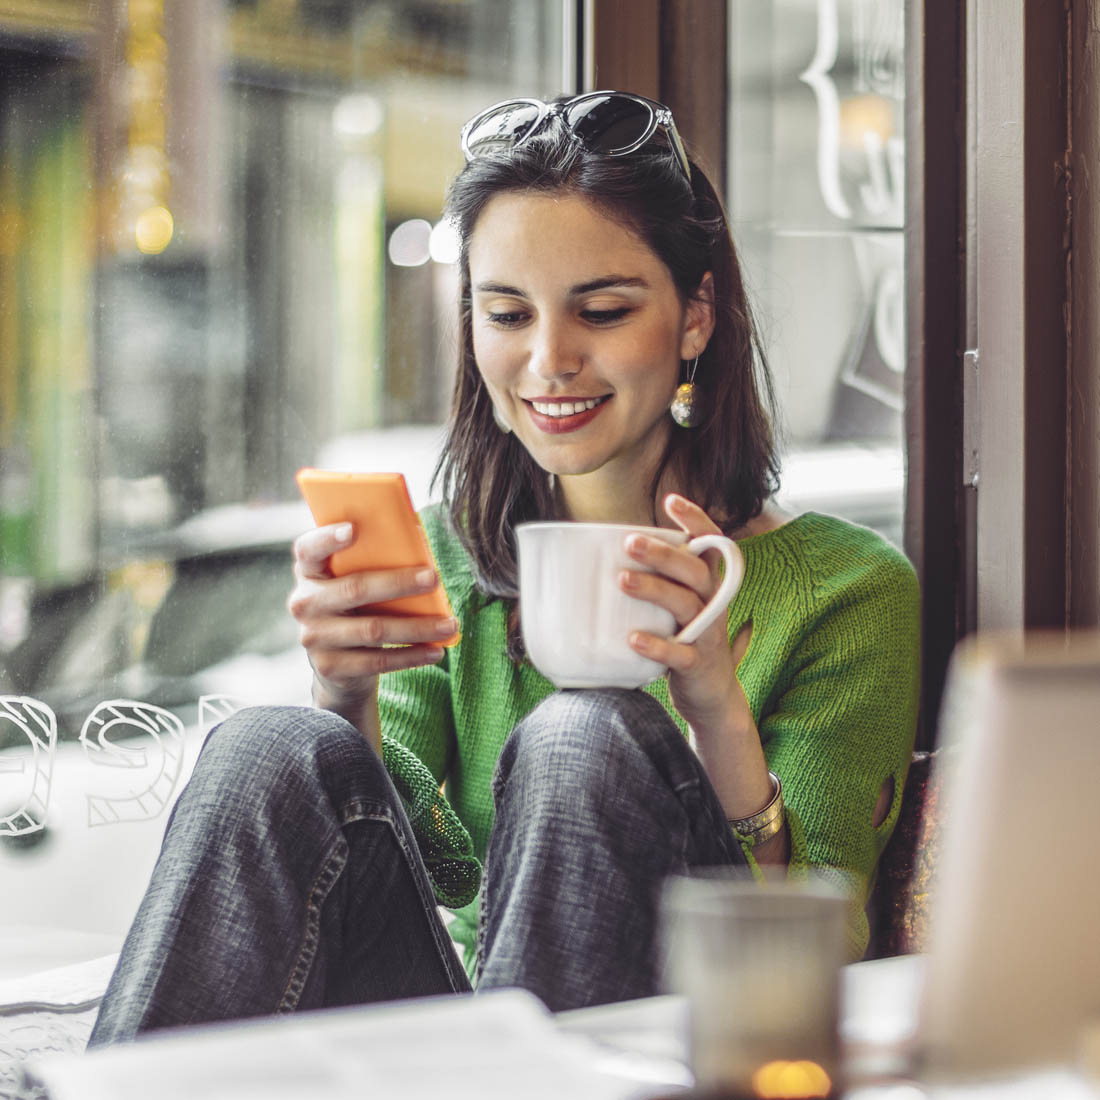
576	619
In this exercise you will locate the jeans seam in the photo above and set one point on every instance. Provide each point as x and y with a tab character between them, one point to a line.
319	891
482	931
409	845
368	810
360	810
687	784
680	790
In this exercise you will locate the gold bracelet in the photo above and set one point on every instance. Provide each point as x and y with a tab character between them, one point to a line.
768	822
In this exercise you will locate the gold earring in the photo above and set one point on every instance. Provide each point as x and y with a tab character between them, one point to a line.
686	408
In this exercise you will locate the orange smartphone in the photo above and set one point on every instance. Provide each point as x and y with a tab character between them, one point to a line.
388	532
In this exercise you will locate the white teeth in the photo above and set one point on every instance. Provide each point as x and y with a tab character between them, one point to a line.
565	408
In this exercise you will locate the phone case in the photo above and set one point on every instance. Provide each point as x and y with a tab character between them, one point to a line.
388	532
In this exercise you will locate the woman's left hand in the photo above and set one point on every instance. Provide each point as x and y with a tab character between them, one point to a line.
702	676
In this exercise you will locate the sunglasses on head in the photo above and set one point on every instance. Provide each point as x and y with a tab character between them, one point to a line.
611	123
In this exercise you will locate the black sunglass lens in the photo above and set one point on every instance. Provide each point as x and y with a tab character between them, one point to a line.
498	131
611	124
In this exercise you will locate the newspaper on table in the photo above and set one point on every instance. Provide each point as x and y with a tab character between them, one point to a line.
477	1046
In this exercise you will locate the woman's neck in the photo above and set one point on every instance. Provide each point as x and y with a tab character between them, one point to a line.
602	498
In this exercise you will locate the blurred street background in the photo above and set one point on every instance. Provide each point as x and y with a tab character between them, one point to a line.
221	259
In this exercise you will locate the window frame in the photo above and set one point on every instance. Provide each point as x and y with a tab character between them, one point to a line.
677	51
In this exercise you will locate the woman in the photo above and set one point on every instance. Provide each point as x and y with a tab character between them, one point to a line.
597	272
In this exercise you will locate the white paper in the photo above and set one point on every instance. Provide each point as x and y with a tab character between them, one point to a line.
62	987
472	1046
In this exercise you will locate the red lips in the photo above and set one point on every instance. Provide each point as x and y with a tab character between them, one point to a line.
556	425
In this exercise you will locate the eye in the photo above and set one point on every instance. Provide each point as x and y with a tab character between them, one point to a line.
605	316
506	319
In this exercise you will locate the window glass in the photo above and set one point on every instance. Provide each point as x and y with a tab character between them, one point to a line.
816	195
220	260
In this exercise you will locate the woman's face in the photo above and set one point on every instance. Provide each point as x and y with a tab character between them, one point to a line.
578	332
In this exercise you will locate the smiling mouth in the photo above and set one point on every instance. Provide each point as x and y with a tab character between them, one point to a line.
567	408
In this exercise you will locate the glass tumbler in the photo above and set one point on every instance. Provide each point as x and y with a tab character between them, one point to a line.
759	965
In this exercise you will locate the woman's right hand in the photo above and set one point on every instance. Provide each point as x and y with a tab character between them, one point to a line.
348	647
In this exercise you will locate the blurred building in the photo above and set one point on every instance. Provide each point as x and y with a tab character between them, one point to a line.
221	259
195	204
220	248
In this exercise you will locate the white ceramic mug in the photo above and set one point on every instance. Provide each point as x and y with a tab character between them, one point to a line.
577	620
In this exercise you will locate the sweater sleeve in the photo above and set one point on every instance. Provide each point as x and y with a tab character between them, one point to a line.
415	705
418	745
845	722
417	740
415	708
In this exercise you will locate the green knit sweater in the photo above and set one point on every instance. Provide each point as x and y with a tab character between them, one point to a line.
831	675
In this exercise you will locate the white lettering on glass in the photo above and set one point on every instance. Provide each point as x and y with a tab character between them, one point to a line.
159	759
32	762
878	42
828	109
217	708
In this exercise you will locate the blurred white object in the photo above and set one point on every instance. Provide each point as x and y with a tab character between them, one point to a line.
412	450
502	1043
760	965
1013	973
863	484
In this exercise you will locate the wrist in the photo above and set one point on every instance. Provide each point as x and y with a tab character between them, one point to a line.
765	823
359	707
727	722
346	702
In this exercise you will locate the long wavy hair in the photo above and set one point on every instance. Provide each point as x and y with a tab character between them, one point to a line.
727	464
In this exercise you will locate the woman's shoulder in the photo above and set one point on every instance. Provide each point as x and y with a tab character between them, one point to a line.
838	556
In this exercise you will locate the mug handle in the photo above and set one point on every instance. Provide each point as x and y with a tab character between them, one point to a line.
731	582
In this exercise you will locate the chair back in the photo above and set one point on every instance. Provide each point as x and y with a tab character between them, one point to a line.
899	907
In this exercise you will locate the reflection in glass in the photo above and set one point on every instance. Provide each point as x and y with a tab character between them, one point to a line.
201	291
817	198
220	249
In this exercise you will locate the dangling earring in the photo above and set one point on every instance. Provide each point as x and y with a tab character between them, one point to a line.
499	420
686	409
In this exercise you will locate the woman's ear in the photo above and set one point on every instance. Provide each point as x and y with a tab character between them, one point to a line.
698	319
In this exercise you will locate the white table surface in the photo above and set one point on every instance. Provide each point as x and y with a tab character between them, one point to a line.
498	1044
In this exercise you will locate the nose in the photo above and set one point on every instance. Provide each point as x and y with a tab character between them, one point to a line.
554	352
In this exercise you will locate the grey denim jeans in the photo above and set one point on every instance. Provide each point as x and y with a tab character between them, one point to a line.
289	877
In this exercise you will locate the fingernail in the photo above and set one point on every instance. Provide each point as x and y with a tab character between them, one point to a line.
446	627
635	543
343	532
426	577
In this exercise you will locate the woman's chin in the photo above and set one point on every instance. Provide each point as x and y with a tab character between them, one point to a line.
562	465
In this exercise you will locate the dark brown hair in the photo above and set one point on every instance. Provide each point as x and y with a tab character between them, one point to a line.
727	464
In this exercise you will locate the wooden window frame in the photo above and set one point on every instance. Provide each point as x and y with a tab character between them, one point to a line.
1022	304
939	505
673	51
676	50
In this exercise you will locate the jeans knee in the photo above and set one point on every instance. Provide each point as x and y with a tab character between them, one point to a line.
570	721
269	749
582	738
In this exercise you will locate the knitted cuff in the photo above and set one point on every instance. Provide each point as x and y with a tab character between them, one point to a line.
445	845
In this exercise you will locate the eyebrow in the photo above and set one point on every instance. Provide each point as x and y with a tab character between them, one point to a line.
603	283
